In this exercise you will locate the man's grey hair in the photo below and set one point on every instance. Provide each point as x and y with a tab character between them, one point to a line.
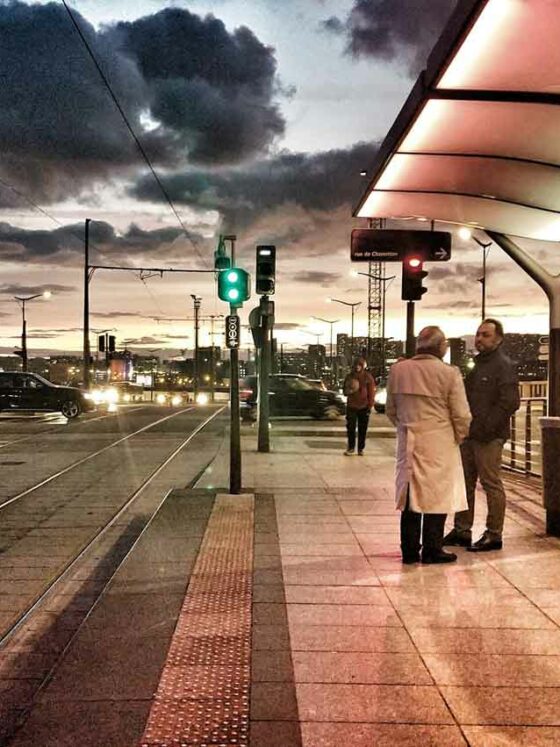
430	340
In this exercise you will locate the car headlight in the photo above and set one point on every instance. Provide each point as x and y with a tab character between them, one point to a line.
201	398
89	396
160	399
127	397
176	400
111	396
381	397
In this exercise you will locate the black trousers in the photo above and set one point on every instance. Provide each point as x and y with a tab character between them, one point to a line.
361	418
414	525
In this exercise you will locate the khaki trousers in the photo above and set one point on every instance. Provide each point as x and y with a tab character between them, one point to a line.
483	460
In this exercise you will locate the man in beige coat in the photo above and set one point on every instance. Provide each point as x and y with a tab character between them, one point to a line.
426	400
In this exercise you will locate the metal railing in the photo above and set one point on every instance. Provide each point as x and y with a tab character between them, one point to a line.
523	452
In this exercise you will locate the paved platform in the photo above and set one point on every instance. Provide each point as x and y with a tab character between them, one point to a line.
284	618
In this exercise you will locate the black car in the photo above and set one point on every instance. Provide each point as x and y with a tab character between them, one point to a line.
29	391
291	395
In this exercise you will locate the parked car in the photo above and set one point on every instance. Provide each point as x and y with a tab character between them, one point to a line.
118	392
291	395
29	391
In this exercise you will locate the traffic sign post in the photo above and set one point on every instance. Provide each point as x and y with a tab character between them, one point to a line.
232	331
380	245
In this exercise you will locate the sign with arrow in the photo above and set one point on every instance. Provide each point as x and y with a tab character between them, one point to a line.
380	245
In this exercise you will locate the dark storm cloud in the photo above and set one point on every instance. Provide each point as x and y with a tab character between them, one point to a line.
213	90
324	279
190	89
321	182
55	111
402	30
26	245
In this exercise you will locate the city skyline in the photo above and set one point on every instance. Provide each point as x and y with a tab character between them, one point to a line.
260	127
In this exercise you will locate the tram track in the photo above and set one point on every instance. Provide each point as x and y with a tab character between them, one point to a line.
53	575
89	457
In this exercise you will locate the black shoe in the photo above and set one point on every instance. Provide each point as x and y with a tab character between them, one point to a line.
438	556
460	539
485	544
411	559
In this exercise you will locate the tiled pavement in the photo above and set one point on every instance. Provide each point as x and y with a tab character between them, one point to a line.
349	647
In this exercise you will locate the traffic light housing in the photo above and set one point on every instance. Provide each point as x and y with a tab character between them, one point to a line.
112	342
266	269
413	274
101	343
234	286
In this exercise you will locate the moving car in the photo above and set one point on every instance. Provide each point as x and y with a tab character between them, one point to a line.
291	395
29	391
118	392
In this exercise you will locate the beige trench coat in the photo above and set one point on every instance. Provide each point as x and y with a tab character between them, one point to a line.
426	400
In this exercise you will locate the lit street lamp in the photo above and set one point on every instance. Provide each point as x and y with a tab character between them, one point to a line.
22	300
353	306
328	321
465	233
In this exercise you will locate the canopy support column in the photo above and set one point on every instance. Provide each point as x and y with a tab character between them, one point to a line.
551	425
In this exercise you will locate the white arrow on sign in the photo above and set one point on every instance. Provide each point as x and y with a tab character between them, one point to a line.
544	349
543	357
440	253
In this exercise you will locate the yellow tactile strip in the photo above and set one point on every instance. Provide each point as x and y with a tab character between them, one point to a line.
203	695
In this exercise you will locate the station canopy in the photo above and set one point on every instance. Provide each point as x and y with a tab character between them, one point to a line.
478	140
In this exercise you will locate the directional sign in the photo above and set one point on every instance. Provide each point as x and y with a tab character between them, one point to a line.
544	351
232	331
376	245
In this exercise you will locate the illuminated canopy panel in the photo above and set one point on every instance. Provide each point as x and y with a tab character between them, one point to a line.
478	140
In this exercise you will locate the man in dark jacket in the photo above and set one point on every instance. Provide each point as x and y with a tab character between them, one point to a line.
359	387
493	395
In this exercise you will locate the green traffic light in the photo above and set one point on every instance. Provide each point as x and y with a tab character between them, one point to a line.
234	285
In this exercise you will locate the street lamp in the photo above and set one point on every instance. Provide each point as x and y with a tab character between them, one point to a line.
353	306
386	282
328	321
22	300
465	233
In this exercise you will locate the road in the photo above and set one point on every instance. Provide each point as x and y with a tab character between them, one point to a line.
78	493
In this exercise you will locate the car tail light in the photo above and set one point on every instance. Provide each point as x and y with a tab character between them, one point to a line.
245	394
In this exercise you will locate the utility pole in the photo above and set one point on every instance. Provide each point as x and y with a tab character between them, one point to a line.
235	425
86	305
410	340
197	301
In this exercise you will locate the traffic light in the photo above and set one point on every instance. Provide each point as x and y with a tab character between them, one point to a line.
221	260
112	341
234	286
20	353
266	269
101	343
413	274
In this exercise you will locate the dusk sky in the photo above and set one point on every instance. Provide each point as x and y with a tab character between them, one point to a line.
257	117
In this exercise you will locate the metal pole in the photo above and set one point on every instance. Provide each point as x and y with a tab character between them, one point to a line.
235	427
352	337
263	438
86	305
23	338
196	300
483	283
383	348
410	347
281	357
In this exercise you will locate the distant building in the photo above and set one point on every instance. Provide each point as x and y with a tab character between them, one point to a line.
524	350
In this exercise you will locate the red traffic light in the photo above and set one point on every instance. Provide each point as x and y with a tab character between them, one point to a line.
414	262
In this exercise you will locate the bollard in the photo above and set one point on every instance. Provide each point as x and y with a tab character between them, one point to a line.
551	474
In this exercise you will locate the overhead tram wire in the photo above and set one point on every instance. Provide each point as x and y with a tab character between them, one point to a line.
26	198
132	133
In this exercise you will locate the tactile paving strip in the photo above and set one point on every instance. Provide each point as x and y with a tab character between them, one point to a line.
203	694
